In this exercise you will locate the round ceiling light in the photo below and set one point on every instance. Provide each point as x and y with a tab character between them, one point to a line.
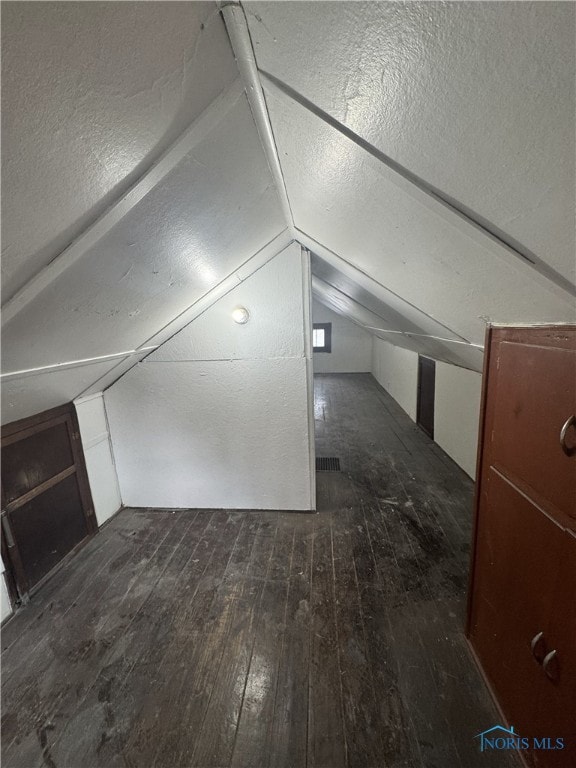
240	315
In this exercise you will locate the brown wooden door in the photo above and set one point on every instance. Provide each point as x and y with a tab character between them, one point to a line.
426	392
46	504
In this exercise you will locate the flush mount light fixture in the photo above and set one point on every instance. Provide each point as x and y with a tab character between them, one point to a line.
240	315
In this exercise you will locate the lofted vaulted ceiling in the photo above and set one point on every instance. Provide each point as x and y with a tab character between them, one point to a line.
423	152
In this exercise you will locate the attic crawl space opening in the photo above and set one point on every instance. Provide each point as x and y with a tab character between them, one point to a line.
237	238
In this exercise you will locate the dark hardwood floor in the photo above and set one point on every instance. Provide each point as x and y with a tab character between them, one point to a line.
263	639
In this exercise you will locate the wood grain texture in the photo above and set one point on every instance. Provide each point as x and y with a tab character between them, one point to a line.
263	639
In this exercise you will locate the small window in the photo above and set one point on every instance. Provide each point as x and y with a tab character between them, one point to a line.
318	338
322	337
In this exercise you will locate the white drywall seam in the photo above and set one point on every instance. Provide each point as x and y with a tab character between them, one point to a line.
410	334
23	397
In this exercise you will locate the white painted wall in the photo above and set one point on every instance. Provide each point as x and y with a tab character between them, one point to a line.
456	402
396	370
351	345
5	607
98	454
218	416
457	413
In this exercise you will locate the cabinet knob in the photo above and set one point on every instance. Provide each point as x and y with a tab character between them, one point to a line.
570	422
545	664
534	643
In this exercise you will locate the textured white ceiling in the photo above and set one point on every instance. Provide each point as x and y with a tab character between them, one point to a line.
91	94
345	199
209	215
475	98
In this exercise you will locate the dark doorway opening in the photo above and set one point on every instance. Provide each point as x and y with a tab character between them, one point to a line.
426	388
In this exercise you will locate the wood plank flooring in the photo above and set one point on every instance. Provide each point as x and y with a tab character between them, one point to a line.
262	639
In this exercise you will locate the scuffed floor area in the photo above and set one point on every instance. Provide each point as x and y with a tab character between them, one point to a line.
262	639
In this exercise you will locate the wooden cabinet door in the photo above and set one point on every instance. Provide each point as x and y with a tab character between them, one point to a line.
523	581
517	571
556	701
532	396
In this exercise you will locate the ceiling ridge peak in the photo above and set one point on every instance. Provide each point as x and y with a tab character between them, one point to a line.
241	42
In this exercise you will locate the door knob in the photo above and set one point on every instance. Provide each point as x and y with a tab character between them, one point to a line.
534	643
546	664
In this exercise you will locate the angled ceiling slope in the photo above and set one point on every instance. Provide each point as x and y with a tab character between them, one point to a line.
475	100
389	318
195	211
92	95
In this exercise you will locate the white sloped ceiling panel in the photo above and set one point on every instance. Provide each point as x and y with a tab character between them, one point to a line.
390	308
28	395
476	99
92	93
381	320
347	200
207	217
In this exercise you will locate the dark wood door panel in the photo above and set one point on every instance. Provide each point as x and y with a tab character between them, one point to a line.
28	463
426	393
46	502
48	527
